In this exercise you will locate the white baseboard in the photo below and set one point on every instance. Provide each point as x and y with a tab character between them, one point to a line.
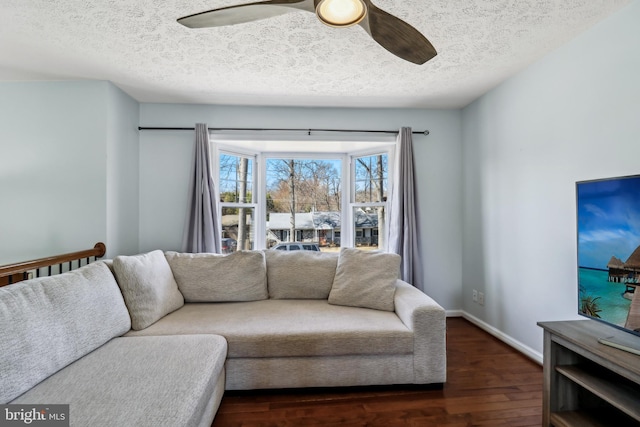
524	349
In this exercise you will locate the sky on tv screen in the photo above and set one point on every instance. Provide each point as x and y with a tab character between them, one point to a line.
608	220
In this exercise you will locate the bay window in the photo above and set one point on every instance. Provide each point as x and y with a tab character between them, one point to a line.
276	192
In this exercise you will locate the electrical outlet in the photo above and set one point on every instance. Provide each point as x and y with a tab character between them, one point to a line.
481	298
475	295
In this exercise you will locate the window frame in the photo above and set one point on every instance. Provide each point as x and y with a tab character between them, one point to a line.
253	204
352	237
300	156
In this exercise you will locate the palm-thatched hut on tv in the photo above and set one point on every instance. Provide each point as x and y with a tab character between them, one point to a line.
616	269
627	272
633	263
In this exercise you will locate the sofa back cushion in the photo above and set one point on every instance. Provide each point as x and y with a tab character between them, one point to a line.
50	322
300	274
365	279
205	277
148	287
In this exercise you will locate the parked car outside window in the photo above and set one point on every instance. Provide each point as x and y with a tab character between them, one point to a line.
297	246
228	245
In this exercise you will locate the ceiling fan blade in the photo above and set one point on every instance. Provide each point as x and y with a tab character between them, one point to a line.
245	13
397	36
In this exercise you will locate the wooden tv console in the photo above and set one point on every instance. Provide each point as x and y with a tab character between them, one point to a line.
587	383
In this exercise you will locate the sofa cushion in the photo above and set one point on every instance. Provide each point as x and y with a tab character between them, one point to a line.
148	287
287	328
300	274
365	279
204	277
49	322
146	381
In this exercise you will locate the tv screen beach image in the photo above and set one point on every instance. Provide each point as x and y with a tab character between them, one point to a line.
608	226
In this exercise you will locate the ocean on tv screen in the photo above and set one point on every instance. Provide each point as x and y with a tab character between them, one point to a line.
611	301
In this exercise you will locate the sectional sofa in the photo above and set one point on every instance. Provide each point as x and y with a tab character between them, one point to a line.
156	338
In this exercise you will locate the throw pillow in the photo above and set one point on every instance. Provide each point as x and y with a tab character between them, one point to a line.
300	274
148	287
205	277
365	279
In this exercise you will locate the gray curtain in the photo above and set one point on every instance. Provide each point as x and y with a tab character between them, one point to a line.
201	232
404	228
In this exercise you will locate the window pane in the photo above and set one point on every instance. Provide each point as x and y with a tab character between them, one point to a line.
368	226
371	181
236	179
303	200
237	224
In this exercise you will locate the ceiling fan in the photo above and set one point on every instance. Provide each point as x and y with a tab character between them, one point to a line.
392	33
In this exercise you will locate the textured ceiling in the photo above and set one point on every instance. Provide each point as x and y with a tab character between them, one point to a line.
286	60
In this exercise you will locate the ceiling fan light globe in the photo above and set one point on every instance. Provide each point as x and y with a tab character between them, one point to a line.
341	13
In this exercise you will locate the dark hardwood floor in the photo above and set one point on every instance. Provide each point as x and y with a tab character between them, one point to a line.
489	384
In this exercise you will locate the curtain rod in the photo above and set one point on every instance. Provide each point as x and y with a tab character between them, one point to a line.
424	132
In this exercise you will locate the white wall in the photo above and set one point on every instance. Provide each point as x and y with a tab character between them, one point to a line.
165	165
122	173
55	138
572	116
53	175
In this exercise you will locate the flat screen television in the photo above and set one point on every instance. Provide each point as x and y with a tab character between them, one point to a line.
608	233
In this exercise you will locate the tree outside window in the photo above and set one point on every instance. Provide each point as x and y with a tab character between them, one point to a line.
236	200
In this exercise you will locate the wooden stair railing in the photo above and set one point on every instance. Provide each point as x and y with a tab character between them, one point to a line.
13	273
